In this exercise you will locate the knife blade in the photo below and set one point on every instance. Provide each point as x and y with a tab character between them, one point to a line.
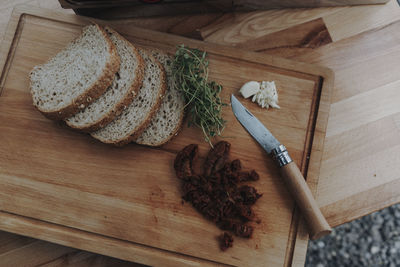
255	128
294	180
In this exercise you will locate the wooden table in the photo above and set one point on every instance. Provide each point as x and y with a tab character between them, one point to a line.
359	172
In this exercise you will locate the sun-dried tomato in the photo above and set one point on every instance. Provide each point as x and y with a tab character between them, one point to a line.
216	193
225	241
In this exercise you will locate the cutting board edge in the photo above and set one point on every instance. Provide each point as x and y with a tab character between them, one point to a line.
97	243
326	75
6	53
298	237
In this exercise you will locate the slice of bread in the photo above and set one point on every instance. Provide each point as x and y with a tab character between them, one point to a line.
168	120
76	76
137	116
119	95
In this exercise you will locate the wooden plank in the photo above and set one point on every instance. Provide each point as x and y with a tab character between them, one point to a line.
350	209
183	25
16	250
83	259
308	35
96	243
44	252
51	188
237	28
352	113
342	22
382	134
9	242
353	59
370	174
361	19
362	135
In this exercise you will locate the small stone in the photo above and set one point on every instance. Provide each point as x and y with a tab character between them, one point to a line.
374	249
379	219
397	213
375	233
321	244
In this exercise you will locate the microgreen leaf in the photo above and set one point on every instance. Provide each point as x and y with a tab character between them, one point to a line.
190	70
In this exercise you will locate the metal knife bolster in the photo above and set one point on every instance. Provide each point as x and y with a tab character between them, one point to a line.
281	156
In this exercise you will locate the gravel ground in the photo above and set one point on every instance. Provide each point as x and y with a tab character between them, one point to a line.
373	240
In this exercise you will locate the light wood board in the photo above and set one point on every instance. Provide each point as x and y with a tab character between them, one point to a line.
341	22
64	182
361	44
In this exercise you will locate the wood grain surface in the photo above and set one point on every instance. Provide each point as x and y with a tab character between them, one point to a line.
23	251
362	138
360	44
343	23
59	176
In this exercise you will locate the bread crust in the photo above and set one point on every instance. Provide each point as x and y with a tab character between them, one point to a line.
128	98
95	91
135	133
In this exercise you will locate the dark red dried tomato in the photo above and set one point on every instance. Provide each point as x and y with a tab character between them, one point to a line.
225	241
183	161
216	193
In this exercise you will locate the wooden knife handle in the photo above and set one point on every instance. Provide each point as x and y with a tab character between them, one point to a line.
294	180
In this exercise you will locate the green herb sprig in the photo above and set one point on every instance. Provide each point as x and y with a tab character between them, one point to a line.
190	70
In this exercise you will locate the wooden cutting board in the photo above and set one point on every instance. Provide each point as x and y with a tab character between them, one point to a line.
65	187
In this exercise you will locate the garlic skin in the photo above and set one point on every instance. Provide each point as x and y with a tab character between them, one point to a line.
250	88
263	93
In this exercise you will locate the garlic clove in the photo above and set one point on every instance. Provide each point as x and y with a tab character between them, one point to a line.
264	93
250	88
275	105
